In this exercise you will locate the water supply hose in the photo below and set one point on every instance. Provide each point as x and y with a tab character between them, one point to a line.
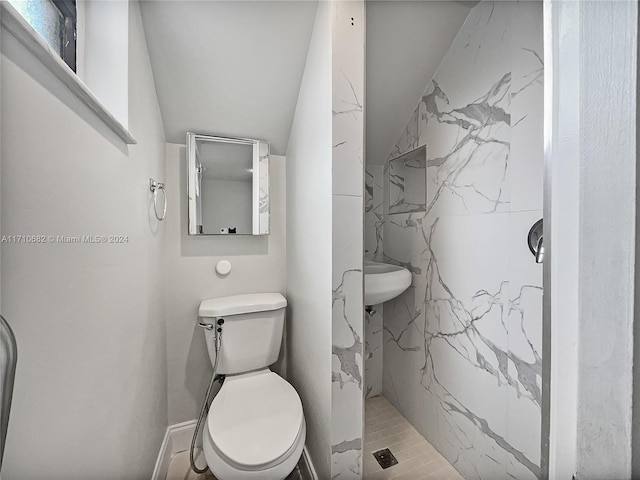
205	404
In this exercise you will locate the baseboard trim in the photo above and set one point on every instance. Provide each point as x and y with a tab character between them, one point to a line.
177	439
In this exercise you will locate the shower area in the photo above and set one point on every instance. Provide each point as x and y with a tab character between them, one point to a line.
453	365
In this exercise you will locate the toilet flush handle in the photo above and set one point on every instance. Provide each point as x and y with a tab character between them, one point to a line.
206	326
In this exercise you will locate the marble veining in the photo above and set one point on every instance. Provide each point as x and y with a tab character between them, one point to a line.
347	369
483	145
373	352
350	367
374	213
462	346
469	330
348	106
373	244
264	208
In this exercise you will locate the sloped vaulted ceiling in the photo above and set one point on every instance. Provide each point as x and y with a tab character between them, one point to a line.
406	40
234	67
230	68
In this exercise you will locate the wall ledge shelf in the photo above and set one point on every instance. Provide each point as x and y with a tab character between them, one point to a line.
27	36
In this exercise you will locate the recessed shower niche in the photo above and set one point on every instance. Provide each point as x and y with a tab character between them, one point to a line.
407	188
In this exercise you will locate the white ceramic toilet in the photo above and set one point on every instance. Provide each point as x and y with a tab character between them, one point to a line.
255	428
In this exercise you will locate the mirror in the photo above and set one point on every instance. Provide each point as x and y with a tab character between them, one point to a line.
228	185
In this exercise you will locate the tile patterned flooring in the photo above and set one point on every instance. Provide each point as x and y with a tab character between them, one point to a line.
385	427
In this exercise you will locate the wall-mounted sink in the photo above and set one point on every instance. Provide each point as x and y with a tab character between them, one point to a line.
383	281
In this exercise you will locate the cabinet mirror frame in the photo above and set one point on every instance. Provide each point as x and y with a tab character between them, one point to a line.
260	183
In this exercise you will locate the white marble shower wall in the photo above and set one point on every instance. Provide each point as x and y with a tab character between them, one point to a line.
347	55
373	228
373	212
462	346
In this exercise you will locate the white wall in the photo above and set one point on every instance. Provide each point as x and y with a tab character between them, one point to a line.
607	255
258	265
562	234
101	63
90	393
591	157
309	237
591	222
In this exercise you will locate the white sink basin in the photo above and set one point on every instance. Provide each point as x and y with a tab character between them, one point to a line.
383	281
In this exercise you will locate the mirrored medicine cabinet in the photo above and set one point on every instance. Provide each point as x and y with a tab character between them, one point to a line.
228	185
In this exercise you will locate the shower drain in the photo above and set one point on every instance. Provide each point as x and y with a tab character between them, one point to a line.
385	458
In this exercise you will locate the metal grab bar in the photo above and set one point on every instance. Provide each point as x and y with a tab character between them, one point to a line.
8	359
155	187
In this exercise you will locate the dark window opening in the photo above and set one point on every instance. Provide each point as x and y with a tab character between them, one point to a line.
68	31
55	21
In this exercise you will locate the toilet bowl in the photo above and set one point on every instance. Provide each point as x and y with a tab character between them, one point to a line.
255	428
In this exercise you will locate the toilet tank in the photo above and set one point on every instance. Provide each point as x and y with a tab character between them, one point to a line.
251	331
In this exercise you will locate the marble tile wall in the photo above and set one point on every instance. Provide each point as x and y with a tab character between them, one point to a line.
373	245
373	353
373	212
462	346
347	399
264	203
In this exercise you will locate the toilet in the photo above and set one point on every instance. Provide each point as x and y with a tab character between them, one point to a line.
255	428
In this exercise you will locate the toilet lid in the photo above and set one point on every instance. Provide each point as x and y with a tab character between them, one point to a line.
255	418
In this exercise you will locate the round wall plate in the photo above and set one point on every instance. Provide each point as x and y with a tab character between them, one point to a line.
223	267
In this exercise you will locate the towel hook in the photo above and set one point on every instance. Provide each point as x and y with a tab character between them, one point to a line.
155	187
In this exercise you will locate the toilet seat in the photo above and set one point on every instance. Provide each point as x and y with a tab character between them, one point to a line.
256	421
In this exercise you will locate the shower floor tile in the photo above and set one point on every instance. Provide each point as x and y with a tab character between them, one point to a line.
384	428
